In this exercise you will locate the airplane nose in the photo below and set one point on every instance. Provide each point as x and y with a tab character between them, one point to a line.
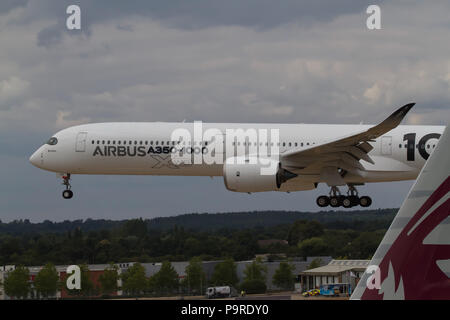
36	158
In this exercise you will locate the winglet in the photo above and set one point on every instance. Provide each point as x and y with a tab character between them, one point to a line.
391	122
399	114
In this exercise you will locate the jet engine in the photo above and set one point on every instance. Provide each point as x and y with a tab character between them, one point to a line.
253	174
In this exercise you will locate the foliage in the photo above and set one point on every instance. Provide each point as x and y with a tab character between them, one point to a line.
195	280
134	280
46	281
165	281
225	274
302	230
17	283
312	247
108	279
354	235
255	271
315	263
284	277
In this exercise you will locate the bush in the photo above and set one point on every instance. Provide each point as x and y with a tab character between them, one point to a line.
254	286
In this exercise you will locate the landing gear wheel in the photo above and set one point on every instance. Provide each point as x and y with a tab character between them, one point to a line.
347	202
323	201
335	201
365	201
67	194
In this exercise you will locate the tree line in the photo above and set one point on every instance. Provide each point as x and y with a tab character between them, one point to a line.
134	241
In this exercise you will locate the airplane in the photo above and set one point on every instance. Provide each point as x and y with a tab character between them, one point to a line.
412	261
297	156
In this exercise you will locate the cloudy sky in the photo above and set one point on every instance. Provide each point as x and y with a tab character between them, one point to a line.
288	61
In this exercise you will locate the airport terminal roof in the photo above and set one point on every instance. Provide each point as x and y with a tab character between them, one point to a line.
337	266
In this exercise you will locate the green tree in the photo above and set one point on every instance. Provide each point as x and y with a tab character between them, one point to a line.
225	274
255	271
255	278
108	280
17	284
316	263
302	230
312	247
364	246
134	280
195	280
284	277
135	227
165	281
46	281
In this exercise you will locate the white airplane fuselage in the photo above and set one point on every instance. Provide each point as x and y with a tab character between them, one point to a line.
142	148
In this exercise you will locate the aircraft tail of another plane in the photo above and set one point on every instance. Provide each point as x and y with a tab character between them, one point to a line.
413	259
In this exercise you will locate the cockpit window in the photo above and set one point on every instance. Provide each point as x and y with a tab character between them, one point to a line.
52	141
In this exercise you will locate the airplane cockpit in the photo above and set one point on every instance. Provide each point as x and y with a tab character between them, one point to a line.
52	141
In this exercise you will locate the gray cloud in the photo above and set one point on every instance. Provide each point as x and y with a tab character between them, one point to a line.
8	5
49	36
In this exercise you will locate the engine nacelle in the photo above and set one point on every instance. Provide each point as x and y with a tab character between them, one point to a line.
253	174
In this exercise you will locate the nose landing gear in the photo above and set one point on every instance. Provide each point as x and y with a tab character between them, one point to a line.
67	194
336	199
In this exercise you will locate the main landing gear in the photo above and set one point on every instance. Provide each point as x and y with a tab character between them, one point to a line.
336	199
67	194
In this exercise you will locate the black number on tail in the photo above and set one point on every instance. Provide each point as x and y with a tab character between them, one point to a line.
411	141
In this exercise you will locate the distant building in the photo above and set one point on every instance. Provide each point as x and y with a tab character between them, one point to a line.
96	270
337	271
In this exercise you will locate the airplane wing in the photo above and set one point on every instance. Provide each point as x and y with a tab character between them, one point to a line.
413	259
344	152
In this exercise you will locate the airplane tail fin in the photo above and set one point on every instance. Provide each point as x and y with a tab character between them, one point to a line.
413	259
